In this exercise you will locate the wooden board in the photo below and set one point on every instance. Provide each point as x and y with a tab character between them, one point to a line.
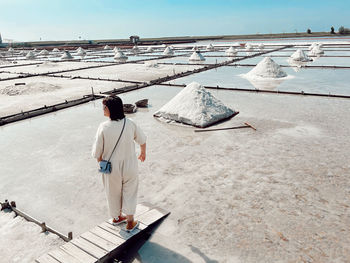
119	230
63	257
89	248
46	259
142	208
95	245
151	216
100	242
79	254
116	240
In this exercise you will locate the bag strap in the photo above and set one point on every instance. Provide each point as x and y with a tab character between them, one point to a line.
118	139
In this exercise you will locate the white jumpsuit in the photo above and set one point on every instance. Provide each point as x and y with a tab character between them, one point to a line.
121	184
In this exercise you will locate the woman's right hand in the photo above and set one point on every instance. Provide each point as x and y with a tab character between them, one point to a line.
142	156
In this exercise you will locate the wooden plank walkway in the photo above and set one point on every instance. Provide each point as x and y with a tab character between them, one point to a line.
103	242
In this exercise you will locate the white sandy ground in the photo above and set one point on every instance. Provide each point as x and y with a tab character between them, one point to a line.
134	72
7	75
49	66
280	194
42	90
23	241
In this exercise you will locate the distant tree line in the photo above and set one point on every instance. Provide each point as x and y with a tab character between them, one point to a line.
342	30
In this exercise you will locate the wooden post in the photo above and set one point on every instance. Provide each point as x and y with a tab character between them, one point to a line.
43	227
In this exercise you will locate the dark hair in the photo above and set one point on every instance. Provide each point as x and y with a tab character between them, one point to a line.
115	107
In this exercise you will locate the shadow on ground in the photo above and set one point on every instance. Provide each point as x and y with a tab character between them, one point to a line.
151	252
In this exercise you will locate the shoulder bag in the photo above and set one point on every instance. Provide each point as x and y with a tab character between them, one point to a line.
106	166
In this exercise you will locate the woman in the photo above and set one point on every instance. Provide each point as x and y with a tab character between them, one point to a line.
122	183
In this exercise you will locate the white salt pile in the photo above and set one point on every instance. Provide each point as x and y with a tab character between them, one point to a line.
55	50
29	88
35	50
81	52
30	55
120	55
195	106
210	47
151	64
10	49
66	55
115	49
135	49
106	47
44	52
261	46
231	51
168	51
150	49
195	48
299	55
316	51
248	47
196	56
267	68
22	53
312	46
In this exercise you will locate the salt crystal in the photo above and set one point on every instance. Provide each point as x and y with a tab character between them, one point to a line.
267	68
195	106
196	56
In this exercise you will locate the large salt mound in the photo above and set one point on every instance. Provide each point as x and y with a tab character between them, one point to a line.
195	106
267	68
196	56
312	46
56	50
149	49
44	52
299	55
66	55
30	55
231	51
81	51
248	47
120	55
168	51
316	51
135	49
210	47
106	47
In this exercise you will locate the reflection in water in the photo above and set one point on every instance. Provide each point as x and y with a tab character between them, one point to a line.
265	84
296	65
120	59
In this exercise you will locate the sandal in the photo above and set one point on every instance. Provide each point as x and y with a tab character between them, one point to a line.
121	219
135	225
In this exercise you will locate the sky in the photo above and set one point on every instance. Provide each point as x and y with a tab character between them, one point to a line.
34	20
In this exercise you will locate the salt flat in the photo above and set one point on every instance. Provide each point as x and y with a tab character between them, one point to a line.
278	194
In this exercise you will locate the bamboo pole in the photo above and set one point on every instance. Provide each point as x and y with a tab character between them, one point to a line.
247	125
44	227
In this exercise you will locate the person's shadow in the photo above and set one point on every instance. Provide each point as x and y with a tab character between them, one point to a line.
151	252
202	255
